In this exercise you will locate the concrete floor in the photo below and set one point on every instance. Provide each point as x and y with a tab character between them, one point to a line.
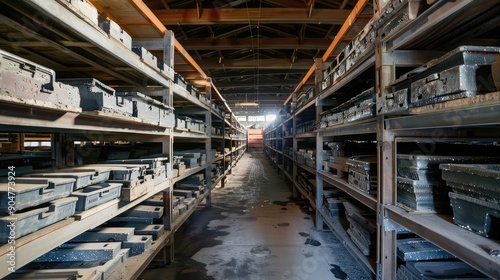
256	230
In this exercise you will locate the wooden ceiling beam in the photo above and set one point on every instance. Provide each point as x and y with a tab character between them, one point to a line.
248	43
251	15
253	83
269	63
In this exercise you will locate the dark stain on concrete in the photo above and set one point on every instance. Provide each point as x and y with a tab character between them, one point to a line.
260	251
284	224
280	203
338	272
307	218
231	263
284	208
313	242
308	254
229	274
244	271
303	234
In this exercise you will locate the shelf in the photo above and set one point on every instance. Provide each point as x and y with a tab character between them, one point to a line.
304	193
213	136
19	118
472	248
184	133
336	227
217	159
289	157
182	218
38	243
366	199
217	181
358	127
433	23
133	266
190	172
306	135
184	94
351	75
306	168
305	106
478	110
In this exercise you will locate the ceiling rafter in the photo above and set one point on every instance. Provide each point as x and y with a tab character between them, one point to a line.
212	16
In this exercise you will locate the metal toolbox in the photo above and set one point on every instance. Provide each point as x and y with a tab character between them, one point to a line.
136	188
85	9
190	162
397	15
153	162
29	192
183	193
146	56
180	123
363	106
394	102
124	171
138	244
149	109
442	270
116	32
96	96
363	164
94	195
35	219
145	211
365	183
478	180
433	161
422	195
84	176
29	83
419	249
167	70
179	80
105	234
466	71
82	252
477	215
154	230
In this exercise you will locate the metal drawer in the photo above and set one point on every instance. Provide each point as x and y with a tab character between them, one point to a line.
95	195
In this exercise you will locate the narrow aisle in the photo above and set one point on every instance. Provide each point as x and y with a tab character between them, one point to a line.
256	230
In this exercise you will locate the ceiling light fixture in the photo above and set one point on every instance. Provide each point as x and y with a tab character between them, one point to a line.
247	104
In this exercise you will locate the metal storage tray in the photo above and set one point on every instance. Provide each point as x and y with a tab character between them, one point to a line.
149	109
82	252
28	83
429	175
394	102
29	192
433	161
443	270
105	234
422	195
145	211
116	32
154	162
96	96
124	171
84	176
146	56
95	195
138	244
136	188
84	9
363	164
33	220
478	179
419	249
476	215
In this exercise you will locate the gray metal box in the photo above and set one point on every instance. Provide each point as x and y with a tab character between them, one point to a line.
167	70
82	252
149	109
154	230
116	32
419	249
442	270
136	188
477	215
105	234
96	96
33	220
84	176
146	56
97	194
138	244
394	102
179	80
29	83
30	192
85	9
478	180
145	211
